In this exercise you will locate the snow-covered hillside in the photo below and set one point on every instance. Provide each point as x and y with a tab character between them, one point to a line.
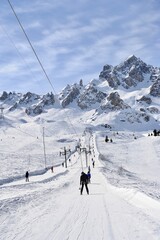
124	193
128	93
111	121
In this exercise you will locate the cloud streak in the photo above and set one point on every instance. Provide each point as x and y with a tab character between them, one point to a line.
76	39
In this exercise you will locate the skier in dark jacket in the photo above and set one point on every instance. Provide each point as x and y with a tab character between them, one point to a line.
27	176
93	162
84	181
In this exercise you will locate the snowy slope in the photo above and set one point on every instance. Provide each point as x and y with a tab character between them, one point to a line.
127	93
123	202
125	185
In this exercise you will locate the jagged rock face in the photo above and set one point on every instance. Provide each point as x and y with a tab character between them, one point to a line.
36	110
99	95
155	89
145	99
110	75
134	75
155	74
113	80
128	74
20	99
90	96
46	100
114	102
136	117
11	98
28	97
30	102
72	93
131	63
107	69
153	110
13	107
4	96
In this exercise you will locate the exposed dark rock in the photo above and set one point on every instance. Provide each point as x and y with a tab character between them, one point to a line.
153	110
100	94
48	99
114	102
135	117
28	98
4	96
128	74
13	107
36	110
90	97
72	94
142	110
145	99
155	89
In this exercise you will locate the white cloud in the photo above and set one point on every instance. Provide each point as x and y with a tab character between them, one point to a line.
9	68
74	39
35	6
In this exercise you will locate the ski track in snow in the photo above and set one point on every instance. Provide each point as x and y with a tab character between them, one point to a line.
53	209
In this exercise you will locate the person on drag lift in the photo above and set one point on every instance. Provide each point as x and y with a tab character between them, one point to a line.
84	181
89	176
27	176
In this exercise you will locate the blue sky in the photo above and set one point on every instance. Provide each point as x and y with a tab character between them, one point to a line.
74	40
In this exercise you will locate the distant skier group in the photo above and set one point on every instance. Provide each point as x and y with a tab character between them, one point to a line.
84	178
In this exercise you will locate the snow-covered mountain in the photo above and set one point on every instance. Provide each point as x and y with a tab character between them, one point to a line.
69	130
127	93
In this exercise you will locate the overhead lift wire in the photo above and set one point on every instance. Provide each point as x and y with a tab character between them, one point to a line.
32	47
37	58
35	137
19	53
21	130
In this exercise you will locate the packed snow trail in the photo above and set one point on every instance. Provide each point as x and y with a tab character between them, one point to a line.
62	213
71	217
55	210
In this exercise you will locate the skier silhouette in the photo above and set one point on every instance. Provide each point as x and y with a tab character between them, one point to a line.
93	162
84	181
27	176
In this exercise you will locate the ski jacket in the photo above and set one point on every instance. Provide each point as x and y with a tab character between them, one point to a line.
88	175
27	174
83	178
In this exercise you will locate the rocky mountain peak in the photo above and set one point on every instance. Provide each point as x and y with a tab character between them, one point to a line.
4	96
130	90
69	93
90	96
127	74
131	59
